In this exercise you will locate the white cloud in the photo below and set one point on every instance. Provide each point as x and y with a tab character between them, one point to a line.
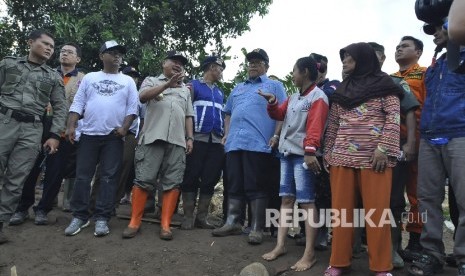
296	28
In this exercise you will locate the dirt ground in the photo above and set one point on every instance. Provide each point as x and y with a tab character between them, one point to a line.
45	250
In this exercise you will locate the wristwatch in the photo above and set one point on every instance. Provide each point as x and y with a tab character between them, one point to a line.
189	138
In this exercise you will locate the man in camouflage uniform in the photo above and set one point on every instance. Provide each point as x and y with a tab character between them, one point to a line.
27	85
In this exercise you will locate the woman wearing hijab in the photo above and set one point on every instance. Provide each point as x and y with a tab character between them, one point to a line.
361	147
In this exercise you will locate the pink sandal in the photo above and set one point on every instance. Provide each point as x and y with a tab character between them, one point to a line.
333	271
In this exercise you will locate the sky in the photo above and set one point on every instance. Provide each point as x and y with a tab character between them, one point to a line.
295	28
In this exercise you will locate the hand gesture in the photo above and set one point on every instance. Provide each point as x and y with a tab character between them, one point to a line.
269	97
176	80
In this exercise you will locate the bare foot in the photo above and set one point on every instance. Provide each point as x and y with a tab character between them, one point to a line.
275	253
304	264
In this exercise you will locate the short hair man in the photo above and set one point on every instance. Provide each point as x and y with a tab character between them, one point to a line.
27	86
249	138
405	174
441	155
167	136
59	164
204	165
107	101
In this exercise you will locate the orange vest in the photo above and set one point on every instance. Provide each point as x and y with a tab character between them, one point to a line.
415	77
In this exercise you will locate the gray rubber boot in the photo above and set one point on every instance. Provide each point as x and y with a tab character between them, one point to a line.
188	205
68	187
232	225
202	212
396	237
258	207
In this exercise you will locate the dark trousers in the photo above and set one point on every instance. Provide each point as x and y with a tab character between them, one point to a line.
399	177
56	169
107	151
203	168
248	174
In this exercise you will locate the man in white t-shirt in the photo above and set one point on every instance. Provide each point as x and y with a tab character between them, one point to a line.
107	102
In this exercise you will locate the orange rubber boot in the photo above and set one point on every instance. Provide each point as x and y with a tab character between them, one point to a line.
139	197
170	198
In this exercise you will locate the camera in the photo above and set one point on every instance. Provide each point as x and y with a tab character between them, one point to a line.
434	13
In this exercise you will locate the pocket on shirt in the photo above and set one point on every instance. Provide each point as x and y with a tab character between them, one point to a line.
12	79
44	89
181	101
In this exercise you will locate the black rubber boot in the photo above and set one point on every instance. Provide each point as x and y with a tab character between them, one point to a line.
202	212
232	225
413	250
258	207
3	238
188	205
396	237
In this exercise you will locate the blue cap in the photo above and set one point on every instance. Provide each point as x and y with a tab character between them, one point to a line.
212	59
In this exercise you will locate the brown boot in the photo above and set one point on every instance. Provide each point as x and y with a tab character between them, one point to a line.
139	197
170	198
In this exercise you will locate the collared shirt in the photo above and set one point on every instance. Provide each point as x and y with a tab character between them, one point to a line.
29	89
250	127
165	117
67	76
72	81
105	100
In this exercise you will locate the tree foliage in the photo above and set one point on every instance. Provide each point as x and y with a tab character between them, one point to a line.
147	27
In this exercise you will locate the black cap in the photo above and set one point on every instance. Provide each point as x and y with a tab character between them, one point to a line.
110	45
212	59
258	53
131	71
173	54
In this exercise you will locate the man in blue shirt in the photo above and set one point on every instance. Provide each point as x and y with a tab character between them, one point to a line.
249	138
441	155
204	165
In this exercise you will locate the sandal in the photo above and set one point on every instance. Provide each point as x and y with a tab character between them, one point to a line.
334	271
426	265
384	273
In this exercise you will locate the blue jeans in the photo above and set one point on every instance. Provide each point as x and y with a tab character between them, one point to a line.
106	150
296	181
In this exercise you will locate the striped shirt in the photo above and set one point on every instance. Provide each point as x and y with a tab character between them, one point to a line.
353	134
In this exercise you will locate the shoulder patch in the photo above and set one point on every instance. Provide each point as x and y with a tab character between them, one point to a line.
414	75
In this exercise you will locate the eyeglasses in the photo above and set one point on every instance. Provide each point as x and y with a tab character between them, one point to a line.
68	52
255	63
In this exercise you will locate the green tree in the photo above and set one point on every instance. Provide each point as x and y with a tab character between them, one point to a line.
147	27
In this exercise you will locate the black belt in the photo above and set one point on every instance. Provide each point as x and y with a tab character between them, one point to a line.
18	115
